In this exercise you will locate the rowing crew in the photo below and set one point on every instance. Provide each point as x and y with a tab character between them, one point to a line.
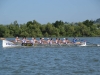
42	41
51	41
48	41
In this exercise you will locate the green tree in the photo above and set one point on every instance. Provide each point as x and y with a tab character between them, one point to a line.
49	29
88	23
58	23
84	30
69	29
62	31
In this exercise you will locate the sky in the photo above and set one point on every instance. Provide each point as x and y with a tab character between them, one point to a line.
44	11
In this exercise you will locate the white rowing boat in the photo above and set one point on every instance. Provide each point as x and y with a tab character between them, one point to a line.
6	43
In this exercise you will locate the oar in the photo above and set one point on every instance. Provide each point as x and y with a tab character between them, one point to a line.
92	43
87	42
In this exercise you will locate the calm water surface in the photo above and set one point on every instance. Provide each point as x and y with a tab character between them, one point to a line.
51	60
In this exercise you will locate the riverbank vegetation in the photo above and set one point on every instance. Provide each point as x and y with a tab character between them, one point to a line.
87	28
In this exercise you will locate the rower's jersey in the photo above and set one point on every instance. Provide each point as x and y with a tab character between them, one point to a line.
59	42
50	41
56	41
32	41
24	41
64	41
40	42
16	40
74	40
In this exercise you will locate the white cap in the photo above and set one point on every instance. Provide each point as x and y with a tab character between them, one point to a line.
42	38
63	38
17	37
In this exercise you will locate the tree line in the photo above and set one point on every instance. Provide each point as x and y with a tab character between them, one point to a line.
87	28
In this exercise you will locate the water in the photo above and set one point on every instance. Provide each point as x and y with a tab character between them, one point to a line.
51	60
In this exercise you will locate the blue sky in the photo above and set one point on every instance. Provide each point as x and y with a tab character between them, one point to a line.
45	11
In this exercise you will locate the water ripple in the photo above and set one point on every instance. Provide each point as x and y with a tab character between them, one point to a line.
50	61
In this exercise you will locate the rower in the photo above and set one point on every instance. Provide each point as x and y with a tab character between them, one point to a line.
44	41
48	40
24	40
17	39
74	40
56	41
41	41
35	41
64	40
67	41
59	41
51	41
32	41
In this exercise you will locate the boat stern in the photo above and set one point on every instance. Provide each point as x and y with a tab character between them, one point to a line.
6	43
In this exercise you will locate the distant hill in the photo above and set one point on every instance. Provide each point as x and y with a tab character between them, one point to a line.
97	21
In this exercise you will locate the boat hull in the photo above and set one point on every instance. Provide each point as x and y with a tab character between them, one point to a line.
6	43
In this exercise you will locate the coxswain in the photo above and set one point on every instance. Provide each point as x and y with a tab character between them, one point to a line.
74	40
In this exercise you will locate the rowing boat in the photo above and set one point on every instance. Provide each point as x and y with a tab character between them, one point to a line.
6	43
